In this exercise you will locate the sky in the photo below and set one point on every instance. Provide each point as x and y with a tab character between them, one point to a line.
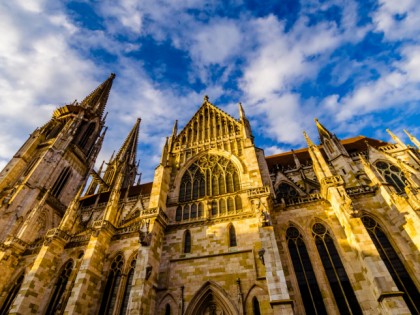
355	65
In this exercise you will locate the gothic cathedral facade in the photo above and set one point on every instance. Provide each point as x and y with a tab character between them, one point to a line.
222	229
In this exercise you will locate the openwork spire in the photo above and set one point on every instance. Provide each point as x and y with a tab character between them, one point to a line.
128	150
96	101
323	132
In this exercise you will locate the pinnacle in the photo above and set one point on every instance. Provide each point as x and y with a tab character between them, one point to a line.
96	101
128	150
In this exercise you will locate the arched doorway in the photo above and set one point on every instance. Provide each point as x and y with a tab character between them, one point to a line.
211	299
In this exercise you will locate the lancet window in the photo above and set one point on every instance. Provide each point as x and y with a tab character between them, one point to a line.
256	306
305	275
111	288
392	175
59	288
394	264
11	295
167	309
187	242
128	287
232	236
285	191
61	181
211	175
334	269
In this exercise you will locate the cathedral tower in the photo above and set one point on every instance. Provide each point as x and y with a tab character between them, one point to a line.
45	174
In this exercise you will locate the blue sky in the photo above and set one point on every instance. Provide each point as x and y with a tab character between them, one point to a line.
353	64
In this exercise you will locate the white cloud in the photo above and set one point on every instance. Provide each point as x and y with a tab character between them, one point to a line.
398	19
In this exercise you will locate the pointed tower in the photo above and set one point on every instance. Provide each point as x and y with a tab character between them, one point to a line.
37	185
127	156
337	155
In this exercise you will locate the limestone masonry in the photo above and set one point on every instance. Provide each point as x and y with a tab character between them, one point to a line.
222	229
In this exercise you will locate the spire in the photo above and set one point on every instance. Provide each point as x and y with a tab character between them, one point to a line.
175	129
396	139
323	132
413	139
297	162
308	140
241	111
128	150
96	101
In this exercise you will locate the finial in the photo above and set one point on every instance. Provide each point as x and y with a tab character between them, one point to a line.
112	76
308	140
206	98
241	111
175	129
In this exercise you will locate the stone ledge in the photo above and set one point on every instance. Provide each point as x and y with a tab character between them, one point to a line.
389	294
211	255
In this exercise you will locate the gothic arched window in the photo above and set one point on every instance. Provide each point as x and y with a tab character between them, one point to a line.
111	288
394	264
305	275
210	175
238	203
14	290
59	288
128	287
178	214
187	242
392	175
334	269
255	306
232	236
285	191
61	181
86	134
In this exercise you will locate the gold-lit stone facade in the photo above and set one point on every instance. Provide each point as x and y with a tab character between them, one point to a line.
222	229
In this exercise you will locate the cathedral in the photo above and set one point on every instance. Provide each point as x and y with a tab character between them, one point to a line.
222	229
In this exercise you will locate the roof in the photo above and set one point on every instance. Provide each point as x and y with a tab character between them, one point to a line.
352	145
143	189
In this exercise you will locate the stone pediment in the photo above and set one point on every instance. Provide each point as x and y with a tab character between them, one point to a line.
208	123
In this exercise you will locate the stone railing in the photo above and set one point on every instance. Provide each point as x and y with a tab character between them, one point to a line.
259	191
352	191
303	199
332	181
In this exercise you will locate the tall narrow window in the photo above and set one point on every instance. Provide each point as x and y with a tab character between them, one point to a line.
336	274
128	286
394	264
393	175
60	182
232	236
59	288
187	242
230	205
200	210
308	286
178	214
255	306
193	211
11	295
186	214
222	206
167	309
238	202
111	288
86	135
214	208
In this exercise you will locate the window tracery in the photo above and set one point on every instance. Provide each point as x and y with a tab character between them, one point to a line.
111	288
59	288
334	269
392	175
394	264
61	181
14	290
128	286
285	191
211	175
305	275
